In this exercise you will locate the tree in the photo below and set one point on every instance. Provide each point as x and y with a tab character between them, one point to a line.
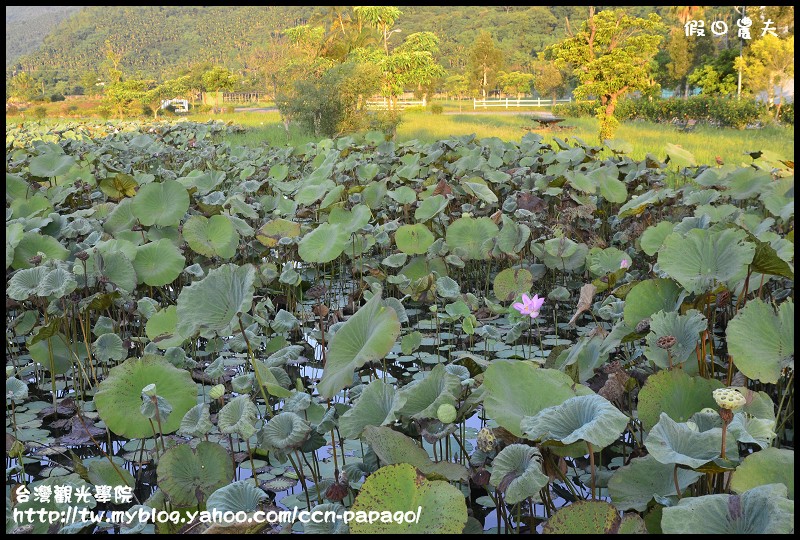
121	97
417	57
769	63
716	74
167	90
547	78
611	56
218	78
515	82
89	81
380	17
484	62
23	86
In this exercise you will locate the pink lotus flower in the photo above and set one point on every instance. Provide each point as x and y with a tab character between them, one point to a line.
625	263
529	306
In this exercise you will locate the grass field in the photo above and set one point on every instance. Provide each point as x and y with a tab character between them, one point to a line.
706	143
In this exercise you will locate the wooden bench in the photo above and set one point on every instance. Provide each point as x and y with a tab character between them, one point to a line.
547	122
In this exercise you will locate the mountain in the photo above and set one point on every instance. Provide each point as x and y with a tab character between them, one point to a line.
158	41
26	27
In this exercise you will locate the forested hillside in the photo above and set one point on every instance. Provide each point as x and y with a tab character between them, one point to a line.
158	41
26	27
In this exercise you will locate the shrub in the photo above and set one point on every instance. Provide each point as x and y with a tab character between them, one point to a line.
202	108
436	108
230	109
39	112
12	110
56	97
787	114
575	109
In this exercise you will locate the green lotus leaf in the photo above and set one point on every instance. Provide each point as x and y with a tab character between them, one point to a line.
639	203
702	259
241	496
273	231
118	186
480	190
109	347
238	416
187	476
399	488
589	353
350	220
285	431
161	328
634	485
745	428
430	207
36	206
323	244
423	397
770	261
367	336
403	195
119	396
611	188
776	199
680	156
649	297
32	243
509	396
513	237
760	341
213	303
196	422
517	473
58	283
393	447
590	418
16	389
447	287
761	510
336	526
14	234
584	517
769	466
375	406
675	393
311	193
413	239
266	376
374	194
26	283
605	261
670	442
471	238
103	473
653	237
51	164
580	181
214	237
204	181
685	328
41	526
561	254
161	203
158	263
511	283
61	353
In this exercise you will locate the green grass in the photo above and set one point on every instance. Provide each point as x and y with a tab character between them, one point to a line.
706	143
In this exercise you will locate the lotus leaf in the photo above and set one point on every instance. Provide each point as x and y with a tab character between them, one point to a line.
375	406
118	397
413	239
670	442
213	303
423	397
196	422
399	488
241	496
238	416
285	431
158	263
634	486
32	243
188	476
590	418
584	517
366	336
761	510
675	393
471	238
517	473
684	328
760	341
161	203
323	244
393	447
769	466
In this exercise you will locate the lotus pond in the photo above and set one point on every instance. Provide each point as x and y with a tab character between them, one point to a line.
513	336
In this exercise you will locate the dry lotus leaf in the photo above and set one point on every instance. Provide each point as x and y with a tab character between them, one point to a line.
584	301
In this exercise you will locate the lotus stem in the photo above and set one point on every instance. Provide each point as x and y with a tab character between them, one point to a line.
252	463
299	470
675	478
591	463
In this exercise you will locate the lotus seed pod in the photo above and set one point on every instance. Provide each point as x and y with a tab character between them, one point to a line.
486	440
729	398
643	325
446	413
708	410
666	342
217	392
149	390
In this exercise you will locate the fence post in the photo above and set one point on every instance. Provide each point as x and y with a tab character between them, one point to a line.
474	104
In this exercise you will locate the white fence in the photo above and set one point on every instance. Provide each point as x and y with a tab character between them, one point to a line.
507	102
399	104
181	105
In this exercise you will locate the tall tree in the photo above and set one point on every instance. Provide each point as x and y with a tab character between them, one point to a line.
380	17
769	64
515	82
218	78
611	56
484	63
547	78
